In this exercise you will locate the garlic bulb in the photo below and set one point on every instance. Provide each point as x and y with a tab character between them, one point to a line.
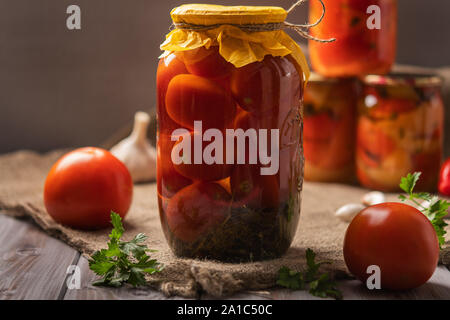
136	152
373	198
349	211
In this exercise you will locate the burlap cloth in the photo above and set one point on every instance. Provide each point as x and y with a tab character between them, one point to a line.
22	176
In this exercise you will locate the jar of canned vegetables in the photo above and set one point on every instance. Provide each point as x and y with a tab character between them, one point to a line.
329	129
399	130
365	33
230	159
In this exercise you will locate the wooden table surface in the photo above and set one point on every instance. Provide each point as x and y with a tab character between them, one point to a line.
34	265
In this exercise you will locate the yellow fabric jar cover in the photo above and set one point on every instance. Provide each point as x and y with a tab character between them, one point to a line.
214	25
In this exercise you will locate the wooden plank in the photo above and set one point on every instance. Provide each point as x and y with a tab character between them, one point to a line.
32	264
246	295
437	288
272	294
90	292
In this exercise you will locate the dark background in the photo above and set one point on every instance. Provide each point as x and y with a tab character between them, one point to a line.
61	88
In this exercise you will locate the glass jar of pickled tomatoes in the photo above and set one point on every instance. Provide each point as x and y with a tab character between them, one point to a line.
230	158
399	131
365	33
329	129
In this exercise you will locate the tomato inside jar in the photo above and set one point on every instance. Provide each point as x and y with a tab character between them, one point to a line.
329	129
365	33
399	130
215	201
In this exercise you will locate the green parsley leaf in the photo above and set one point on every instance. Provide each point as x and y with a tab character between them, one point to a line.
435	212
101	265
290	279
118	230
324	287
320	284
313	268
408	183
123	262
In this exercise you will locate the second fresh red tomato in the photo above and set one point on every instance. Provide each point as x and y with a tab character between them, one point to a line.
444	179
398	239
84	186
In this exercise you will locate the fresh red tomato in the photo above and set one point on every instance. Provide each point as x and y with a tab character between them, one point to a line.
168	68
207	63
256	85
168	179
444	179
203	171
196	210
84	186
398	239
191	98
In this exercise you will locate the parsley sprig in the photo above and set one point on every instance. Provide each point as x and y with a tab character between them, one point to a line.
320	284
123	262
435	211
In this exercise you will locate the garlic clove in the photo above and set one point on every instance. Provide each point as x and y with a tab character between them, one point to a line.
136	152
349	211
373	198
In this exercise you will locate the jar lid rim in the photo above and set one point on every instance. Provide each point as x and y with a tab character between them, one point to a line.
208	14
410	79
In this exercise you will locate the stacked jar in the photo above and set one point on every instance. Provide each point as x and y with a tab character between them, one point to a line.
329	117
397	121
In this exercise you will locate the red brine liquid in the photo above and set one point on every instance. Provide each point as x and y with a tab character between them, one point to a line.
228	209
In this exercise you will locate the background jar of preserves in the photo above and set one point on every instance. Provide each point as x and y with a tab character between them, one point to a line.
399	130
229	211
357	50
329	129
